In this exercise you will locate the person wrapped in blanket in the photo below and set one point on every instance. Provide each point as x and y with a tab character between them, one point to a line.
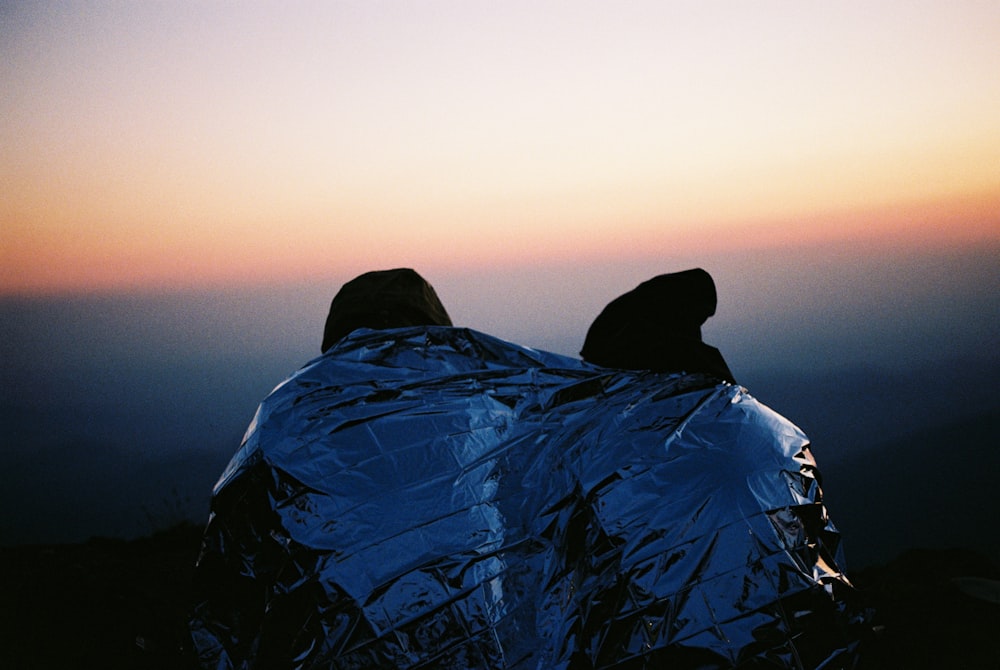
428	496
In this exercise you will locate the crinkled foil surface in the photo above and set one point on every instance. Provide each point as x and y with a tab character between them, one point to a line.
438	498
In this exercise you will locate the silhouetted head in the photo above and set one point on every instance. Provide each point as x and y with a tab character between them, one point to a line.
657	326
383	299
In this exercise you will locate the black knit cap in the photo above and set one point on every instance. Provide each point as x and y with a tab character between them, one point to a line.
383	299
657	326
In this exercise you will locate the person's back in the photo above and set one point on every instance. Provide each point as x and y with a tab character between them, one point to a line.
434	497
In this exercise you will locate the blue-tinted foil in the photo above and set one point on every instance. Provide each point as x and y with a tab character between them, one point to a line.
438	498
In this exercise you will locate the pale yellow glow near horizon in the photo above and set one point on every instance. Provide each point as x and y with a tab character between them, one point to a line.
172	144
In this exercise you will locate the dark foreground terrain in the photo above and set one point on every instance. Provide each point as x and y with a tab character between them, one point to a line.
116	604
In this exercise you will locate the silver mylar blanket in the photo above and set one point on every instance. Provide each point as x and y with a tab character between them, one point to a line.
438	498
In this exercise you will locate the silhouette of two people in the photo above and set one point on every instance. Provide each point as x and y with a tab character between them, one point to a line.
656	326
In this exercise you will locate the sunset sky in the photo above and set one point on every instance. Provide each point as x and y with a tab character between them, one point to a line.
175	144
185	185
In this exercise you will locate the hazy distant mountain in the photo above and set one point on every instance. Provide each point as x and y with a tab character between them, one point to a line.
932	488
118	413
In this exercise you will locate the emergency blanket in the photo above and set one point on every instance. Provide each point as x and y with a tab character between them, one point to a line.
435	497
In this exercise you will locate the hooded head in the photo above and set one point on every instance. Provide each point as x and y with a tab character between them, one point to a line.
657	326
383	299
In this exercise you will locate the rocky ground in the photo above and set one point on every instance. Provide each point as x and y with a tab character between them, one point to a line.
115	604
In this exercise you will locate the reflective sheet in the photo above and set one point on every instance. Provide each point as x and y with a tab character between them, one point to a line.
438	498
